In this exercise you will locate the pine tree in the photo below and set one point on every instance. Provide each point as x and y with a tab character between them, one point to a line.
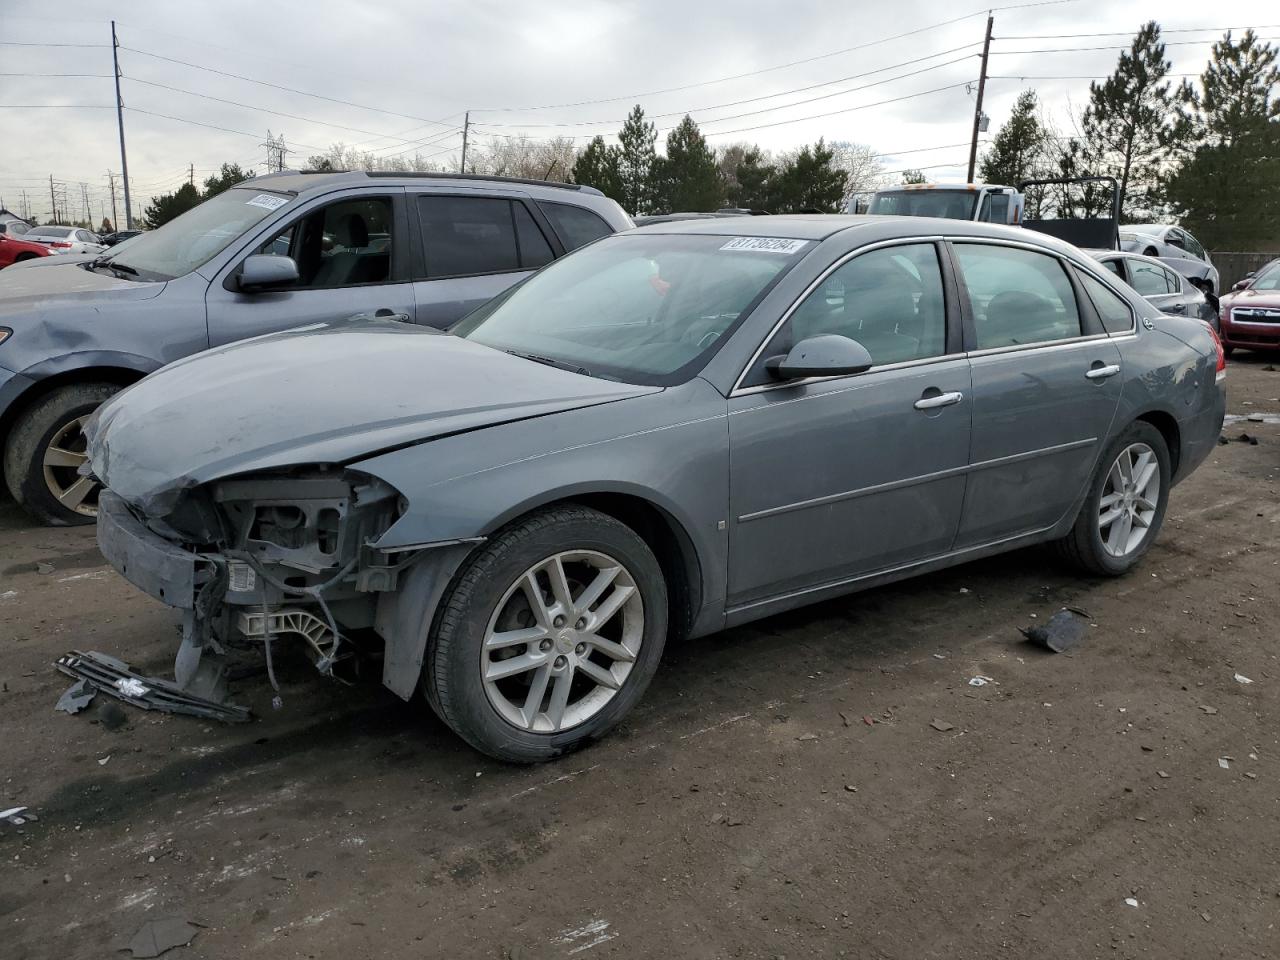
598	166
636	162
810	181
753	181
1017	152
169	205
224	179
1130	124
914	176
688	177
1227	191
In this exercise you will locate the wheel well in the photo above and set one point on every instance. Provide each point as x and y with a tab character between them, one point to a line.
42	388
1168	428
670	544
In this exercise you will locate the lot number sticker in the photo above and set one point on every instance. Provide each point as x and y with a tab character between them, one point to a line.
765	244
267	202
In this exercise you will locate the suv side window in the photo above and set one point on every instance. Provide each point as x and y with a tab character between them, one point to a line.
1018	296
464	236
890	300
342	245
1113	310
575	225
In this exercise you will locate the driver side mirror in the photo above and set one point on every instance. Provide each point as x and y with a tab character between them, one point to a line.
829	355
266	271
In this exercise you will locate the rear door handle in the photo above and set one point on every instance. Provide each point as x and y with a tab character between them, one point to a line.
939	400
1101	373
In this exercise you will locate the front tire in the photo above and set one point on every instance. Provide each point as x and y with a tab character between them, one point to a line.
46	448
1128	496
548	636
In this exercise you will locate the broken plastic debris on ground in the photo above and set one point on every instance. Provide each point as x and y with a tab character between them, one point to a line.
160	935
1064	631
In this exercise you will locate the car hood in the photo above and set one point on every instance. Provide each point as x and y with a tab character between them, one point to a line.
1252	298
27	289
328	393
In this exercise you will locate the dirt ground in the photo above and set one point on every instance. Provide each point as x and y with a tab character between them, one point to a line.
782	791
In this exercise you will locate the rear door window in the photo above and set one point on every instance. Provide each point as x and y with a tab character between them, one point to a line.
1018	296
1148	279
465	236
575	225
1112	308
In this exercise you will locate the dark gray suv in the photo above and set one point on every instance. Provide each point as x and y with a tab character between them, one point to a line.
272	253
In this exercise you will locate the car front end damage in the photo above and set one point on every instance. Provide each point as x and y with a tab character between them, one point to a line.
284	559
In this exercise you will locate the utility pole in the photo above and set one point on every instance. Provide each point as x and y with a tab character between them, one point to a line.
84	197
115	219
466	129
124	159
977	110
53	199
191	175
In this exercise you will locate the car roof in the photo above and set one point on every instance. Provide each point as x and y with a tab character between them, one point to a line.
872	228
309	181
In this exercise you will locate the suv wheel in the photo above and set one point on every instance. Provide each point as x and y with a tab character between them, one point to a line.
1126	504
548	636
46	448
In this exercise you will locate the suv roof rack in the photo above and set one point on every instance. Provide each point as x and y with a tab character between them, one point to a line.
391	174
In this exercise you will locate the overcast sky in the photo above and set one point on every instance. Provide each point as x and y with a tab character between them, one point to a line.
409	70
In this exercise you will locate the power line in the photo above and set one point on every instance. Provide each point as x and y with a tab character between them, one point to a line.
780	93
277	86
56	106
1171	43
1126	33
83	46
211	126
278	113
780	66
96	76
832	113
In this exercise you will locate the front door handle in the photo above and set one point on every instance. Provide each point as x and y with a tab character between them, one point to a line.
1101	373
939	400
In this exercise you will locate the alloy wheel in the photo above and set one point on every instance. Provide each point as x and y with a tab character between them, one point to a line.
1130	500
66	451
562	641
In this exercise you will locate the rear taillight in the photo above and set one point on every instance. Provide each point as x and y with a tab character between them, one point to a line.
1222	354
59	243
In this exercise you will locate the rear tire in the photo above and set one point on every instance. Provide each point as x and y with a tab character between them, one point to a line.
1110	549
44	450
527	684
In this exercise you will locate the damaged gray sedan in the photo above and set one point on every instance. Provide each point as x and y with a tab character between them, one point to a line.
666	433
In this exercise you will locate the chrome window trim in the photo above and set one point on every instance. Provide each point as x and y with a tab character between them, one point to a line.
1060	344
739	389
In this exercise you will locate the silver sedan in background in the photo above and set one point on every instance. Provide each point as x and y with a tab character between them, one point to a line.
1165	289
671	431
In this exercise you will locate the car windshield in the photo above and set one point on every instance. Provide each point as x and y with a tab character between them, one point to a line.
641	308
949	204
50	232
200	234
1268	278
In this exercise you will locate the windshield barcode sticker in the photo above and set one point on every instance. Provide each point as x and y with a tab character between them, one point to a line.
267	202
765	244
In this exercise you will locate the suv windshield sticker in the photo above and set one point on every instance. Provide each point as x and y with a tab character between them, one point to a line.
267	202
765	244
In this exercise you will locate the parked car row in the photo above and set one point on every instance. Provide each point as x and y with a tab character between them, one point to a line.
666	432
1178	249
